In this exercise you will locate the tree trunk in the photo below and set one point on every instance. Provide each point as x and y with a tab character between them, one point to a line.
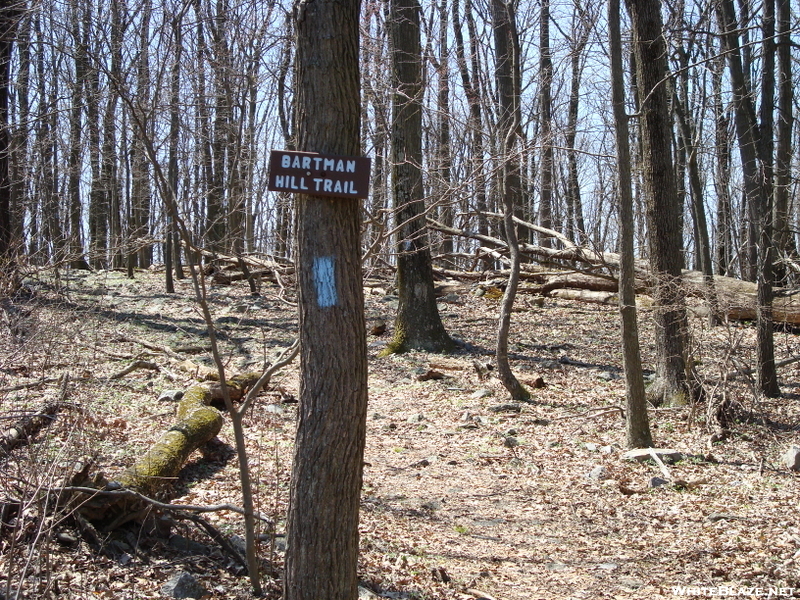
582	25
663	209
722	162
755	172
507	72
444	158
322	524
784	241
77	260
545	123
637	426
471	90
8	22
418	324
702	244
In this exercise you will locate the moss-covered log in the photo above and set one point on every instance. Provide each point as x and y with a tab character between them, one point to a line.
197	424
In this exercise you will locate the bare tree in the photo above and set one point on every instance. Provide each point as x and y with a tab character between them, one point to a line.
637	424
663	208
756	170
507	73
418	324
322	525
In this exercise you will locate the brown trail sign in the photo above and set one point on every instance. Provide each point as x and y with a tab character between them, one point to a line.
319	174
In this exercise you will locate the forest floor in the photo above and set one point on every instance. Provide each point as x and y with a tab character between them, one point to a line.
462	498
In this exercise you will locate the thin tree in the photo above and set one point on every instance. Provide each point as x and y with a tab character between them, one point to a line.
507	73
637	426
8	21
545	125
756	171
784	240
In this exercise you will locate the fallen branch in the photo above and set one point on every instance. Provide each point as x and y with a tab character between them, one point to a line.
29	425
133	494
604	411
139	364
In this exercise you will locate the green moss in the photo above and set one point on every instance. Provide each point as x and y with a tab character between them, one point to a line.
197	424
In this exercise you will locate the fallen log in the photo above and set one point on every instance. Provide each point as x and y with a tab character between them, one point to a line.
734	299
198	422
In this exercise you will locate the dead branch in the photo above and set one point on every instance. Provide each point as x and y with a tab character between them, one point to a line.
139	364
591	414
29	425
134	495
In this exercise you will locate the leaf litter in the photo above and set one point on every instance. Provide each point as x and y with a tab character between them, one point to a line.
465	495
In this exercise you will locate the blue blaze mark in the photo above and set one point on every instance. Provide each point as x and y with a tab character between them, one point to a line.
325	281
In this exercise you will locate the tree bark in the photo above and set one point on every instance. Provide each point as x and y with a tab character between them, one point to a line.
663	209
8	22
545	123
637	426
756	172
784	240
418	324
507	72
322	524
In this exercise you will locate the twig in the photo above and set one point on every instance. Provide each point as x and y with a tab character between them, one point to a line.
28	386
138	364
585	415
163	349
284	359
215	535
126	493
749	371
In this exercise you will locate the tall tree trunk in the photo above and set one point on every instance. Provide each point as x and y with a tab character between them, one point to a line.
506	41
687	136
637	426
109	168
418	324
722	161
52	233
784	241
77	260
205	177
545	124
172	250
141	190
471	84
217	217
444	158
98	213
582	24
756	173
21	171
9	16
663	208
322	525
